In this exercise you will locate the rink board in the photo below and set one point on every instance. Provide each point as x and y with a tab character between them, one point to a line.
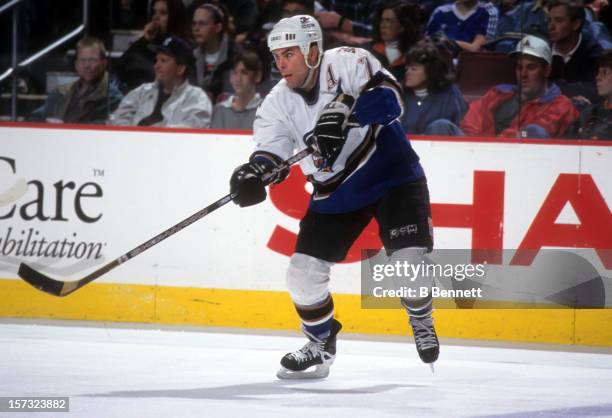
274	310
101	192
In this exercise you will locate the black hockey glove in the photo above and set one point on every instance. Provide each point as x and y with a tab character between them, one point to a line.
329	132
247	183
248	179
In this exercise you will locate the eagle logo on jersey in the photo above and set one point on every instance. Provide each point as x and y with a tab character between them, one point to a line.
331	80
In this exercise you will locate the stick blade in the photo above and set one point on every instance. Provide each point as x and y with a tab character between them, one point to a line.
40	281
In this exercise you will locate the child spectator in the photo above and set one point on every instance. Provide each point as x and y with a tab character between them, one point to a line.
238	111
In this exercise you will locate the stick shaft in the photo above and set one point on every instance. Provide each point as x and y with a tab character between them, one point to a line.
156	239
63	288
185	222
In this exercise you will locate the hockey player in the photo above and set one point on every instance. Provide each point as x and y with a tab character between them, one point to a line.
344	105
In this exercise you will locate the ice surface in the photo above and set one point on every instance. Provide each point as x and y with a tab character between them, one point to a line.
115	372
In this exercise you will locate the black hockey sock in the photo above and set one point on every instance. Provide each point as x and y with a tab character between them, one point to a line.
317	319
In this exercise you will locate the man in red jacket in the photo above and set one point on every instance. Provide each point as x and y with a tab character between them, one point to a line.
532	108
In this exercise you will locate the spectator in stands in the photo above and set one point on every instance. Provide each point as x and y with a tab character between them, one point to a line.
91	98
214	49
430	5
464	25
599	26
238	111
397	27
575	55
533	108
291	8
526	17
136	64
504	6
242	15
430	96
596	120
170	100
348	16
531	17
594	6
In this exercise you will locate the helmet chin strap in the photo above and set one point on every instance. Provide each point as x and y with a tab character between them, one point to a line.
312	70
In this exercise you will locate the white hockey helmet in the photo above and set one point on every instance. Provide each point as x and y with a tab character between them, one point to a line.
300	30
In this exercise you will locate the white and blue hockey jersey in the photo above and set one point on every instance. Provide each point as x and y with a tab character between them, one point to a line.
376	157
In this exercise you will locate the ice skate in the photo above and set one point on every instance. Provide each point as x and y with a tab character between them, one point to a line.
313	360
425	339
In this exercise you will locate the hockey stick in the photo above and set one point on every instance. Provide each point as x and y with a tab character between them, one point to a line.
62	288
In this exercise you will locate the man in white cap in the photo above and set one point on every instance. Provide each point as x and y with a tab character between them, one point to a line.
533	107
346	106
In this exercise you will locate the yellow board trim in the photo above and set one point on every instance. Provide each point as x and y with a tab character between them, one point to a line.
274	310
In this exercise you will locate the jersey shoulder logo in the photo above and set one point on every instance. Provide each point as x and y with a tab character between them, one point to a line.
331	78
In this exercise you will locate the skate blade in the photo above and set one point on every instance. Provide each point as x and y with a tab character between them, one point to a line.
320	372
431	366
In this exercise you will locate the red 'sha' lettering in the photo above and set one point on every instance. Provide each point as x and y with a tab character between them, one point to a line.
594	230
485	216
291	198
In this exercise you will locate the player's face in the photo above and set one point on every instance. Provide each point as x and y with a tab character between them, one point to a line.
160	15
604	82
560	26
290	62
416	76
203	26
390	27
243	80
531	75
89	64
167	71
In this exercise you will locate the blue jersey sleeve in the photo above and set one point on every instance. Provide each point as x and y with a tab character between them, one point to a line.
380	101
